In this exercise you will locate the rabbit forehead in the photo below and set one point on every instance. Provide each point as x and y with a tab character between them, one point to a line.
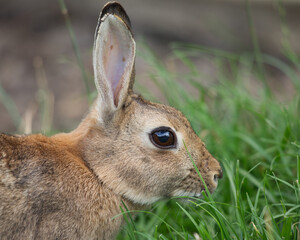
153	115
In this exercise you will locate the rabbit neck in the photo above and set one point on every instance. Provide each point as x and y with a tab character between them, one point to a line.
94	146
102	199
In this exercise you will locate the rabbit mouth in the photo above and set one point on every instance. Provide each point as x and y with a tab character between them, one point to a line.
199	195
188	194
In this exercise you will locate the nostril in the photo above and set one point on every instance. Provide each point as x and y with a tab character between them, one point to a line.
217	176
220	174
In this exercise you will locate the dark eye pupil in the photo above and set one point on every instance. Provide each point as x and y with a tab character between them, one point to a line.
163	138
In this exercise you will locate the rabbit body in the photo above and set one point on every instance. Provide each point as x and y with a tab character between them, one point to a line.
127	151
48	192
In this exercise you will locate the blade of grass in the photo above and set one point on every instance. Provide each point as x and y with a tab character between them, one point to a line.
239	205
64	12
10	107
257	52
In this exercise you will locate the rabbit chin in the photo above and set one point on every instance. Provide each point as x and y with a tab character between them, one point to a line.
186	194
140	197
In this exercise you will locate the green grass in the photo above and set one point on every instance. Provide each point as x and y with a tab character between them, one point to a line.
255	136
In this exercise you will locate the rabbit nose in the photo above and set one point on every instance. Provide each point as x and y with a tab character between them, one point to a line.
218	175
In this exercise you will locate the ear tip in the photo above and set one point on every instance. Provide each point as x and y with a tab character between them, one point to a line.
115	8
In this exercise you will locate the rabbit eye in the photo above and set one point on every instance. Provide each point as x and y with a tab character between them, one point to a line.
163	137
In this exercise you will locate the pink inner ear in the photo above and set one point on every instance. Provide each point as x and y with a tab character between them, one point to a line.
117	53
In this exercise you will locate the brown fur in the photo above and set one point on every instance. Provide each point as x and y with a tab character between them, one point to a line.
71	186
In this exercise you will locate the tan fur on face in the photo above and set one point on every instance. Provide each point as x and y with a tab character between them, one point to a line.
141	175
71	186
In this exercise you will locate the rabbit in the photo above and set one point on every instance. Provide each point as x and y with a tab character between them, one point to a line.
127	150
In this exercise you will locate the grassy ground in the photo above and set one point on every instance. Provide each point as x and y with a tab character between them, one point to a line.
255	136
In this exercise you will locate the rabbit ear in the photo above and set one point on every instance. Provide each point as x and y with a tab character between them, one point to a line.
113	58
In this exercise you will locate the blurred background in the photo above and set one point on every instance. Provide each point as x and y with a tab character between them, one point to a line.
38	64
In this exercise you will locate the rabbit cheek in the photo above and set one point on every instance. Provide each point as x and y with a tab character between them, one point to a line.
146	180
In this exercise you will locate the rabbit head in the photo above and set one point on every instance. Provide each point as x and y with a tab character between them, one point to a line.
136	147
